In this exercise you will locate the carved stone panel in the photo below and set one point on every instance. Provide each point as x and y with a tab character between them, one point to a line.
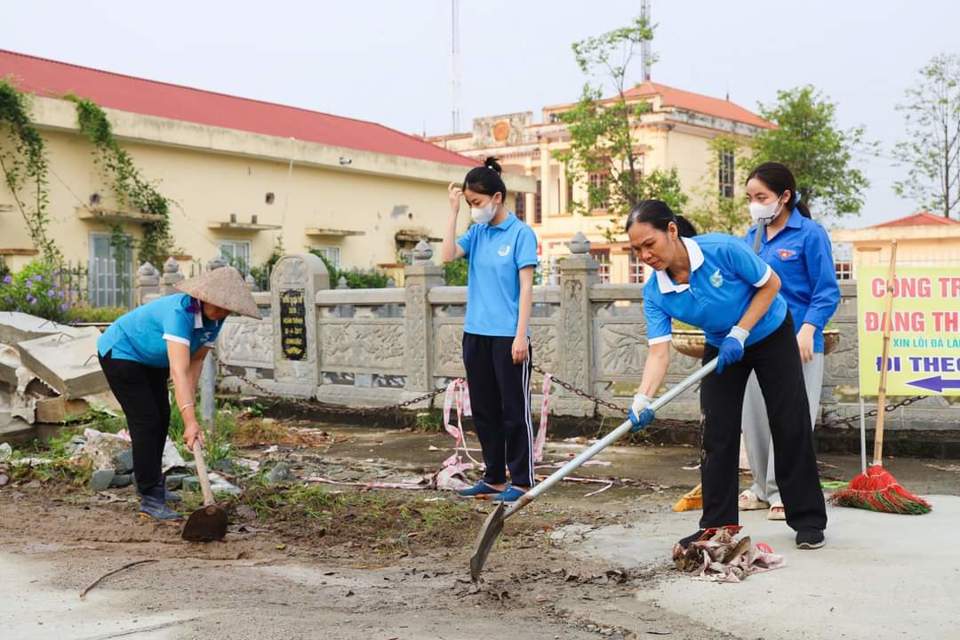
245	342
448	349
362	346
621	349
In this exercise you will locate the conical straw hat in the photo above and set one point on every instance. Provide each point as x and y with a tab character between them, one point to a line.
223	287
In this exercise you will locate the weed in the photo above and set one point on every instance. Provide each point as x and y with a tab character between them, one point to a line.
429	421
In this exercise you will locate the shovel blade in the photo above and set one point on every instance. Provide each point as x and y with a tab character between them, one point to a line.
488	536
206	524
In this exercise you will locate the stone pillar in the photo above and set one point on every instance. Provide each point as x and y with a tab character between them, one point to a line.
419	278
208	374
250	282
171	276
293	293
578	273
148	283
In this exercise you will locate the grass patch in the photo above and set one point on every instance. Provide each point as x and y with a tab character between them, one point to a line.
217	441
384	521
59	471
429	421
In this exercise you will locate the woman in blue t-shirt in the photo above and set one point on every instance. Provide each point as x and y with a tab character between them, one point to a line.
167	338
502	254
799	251
715	282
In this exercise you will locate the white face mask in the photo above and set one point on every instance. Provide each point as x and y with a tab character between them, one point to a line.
485	214
765	212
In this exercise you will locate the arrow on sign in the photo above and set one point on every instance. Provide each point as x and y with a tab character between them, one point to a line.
936	383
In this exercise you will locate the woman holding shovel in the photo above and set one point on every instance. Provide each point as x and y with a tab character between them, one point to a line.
502	253
798	250
167	338
717	283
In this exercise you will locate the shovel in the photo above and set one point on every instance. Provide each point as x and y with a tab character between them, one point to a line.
494	523
209	522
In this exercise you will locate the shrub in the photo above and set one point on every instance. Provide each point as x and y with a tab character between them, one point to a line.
34	290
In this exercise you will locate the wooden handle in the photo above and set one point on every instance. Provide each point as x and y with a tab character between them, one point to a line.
882	392
202	474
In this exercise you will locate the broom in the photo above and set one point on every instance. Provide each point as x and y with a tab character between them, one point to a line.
876	489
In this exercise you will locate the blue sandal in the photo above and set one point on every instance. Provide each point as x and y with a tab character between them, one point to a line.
479	489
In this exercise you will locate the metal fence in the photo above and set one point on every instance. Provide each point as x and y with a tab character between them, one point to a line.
99	282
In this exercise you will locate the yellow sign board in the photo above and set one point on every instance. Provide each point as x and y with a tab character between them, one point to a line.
924	357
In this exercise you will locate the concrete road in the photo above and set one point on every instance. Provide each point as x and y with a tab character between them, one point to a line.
880	576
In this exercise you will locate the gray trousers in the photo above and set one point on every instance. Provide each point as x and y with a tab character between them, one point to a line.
756	428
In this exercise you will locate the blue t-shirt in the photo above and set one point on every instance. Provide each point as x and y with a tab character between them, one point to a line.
724	275
801	255
496	253
142	334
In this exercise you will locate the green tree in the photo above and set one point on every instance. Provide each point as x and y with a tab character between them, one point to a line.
716	207
931	150
602	131
819	153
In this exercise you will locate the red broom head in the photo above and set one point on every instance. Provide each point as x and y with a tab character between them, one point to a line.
878	490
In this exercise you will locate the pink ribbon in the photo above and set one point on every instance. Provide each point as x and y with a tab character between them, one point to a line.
457	394
544	415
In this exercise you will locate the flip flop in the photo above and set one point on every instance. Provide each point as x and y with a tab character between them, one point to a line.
748	501
777	512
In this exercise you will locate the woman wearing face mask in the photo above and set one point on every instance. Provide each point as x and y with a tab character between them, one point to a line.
502	253
798	249
717	283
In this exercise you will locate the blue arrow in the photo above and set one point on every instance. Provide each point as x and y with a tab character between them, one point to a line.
936	383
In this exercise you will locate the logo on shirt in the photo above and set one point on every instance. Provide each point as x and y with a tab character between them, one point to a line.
503	251
716	279
786	254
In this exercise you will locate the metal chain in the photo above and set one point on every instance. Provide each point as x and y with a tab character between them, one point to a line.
579	392
869	414
316	404
836	422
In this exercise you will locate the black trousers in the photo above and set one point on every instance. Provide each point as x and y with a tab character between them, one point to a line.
142	393
500	400
776	359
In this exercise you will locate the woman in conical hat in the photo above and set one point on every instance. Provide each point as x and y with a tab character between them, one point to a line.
167	338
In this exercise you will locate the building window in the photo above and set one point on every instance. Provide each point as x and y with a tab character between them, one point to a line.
598	185
636	268
332	254
538	205
602	256
236	253
843	260
110	272
726	174
521	207
844	270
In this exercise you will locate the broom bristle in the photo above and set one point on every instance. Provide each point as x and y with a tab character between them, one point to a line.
878	490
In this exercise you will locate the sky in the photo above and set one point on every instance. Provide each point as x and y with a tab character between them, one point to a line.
389	61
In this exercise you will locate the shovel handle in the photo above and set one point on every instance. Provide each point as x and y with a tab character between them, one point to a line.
607	440
202	474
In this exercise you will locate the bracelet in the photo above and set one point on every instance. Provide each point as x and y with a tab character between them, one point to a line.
189	404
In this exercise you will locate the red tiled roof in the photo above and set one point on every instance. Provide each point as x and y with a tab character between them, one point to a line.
148	97
699	103
919	219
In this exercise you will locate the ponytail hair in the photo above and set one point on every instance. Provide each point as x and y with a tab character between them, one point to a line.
659	215
778	179
486	179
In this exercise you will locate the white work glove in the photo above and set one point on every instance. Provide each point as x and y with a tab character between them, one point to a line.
640	402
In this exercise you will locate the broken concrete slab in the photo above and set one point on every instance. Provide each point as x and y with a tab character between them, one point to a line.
9	363
17	327
58	410
66	363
